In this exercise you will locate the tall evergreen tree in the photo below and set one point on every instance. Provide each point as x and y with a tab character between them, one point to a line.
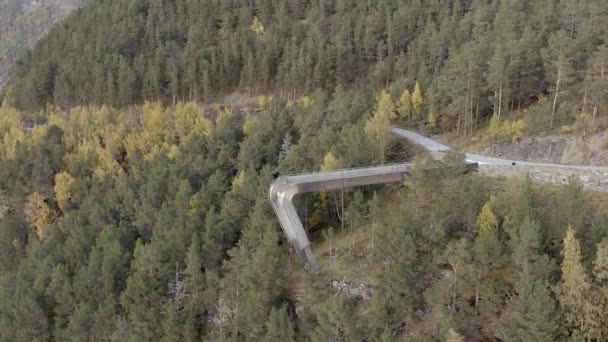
575	286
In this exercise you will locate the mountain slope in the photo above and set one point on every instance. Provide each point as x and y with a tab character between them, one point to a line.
23	23
473	58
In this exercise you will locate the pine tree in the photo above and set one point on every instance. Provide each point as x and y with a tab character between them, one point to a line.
570	210
558	61
596	81
574	287
126	84
195	285
336	321
534	315
600	265
143	296
596	307
398	291
279	327
172	331
488	258
387	335
497	76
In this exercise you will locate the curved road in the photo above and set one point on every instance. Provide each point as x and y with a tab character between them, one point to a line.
284	188
438	148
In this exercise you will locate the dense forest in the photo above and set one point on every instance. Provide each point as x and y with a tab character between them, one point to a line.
134	199
152	223
476	57
23	23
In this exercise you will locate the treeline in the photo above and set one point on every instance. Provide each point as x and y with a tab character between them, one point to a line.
474	58
153	223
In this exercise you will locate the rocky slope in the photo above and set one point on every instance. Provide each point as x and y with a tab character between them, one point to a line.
573	150
23	23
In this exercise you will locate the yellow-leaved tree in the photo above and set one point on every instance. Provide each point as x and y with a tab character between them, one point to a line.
433	119
385	105
404	106
249	127
575	286
64	183
257	26
38	213
330	162
453	336
157	122
378	127
417	100
264	102
486	221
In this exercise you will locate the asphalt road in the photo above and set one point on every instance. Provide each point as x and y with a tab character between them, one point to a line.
434	146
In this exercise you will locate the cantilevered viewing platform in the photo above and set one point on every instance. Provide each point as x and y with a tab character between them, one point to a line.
284	188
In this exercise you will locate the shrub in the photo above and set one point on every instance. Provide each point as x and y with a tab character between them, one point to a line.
538	116
508	130
584	123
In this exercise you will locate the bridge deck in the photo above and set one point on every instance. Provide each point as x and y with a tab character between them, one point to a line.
284	188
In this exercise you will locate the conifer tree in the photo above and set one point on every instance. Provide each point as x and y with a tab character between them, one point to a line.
397	294
558	61
497	77
336	320
279	327
600	265
171	327
574	287
195	285
596	307
533	312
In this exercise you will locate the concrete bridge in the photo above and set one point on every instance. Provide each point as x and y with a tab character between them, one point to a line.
284	188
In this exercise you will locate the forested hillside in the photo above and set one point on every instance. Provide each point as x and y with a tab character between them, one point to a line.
134	199
152	223
23	22
476	58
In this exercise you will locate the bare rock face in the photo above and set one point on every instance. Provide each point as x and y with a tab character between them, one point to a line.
357	290
560	150
548	150
24	22
592	151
